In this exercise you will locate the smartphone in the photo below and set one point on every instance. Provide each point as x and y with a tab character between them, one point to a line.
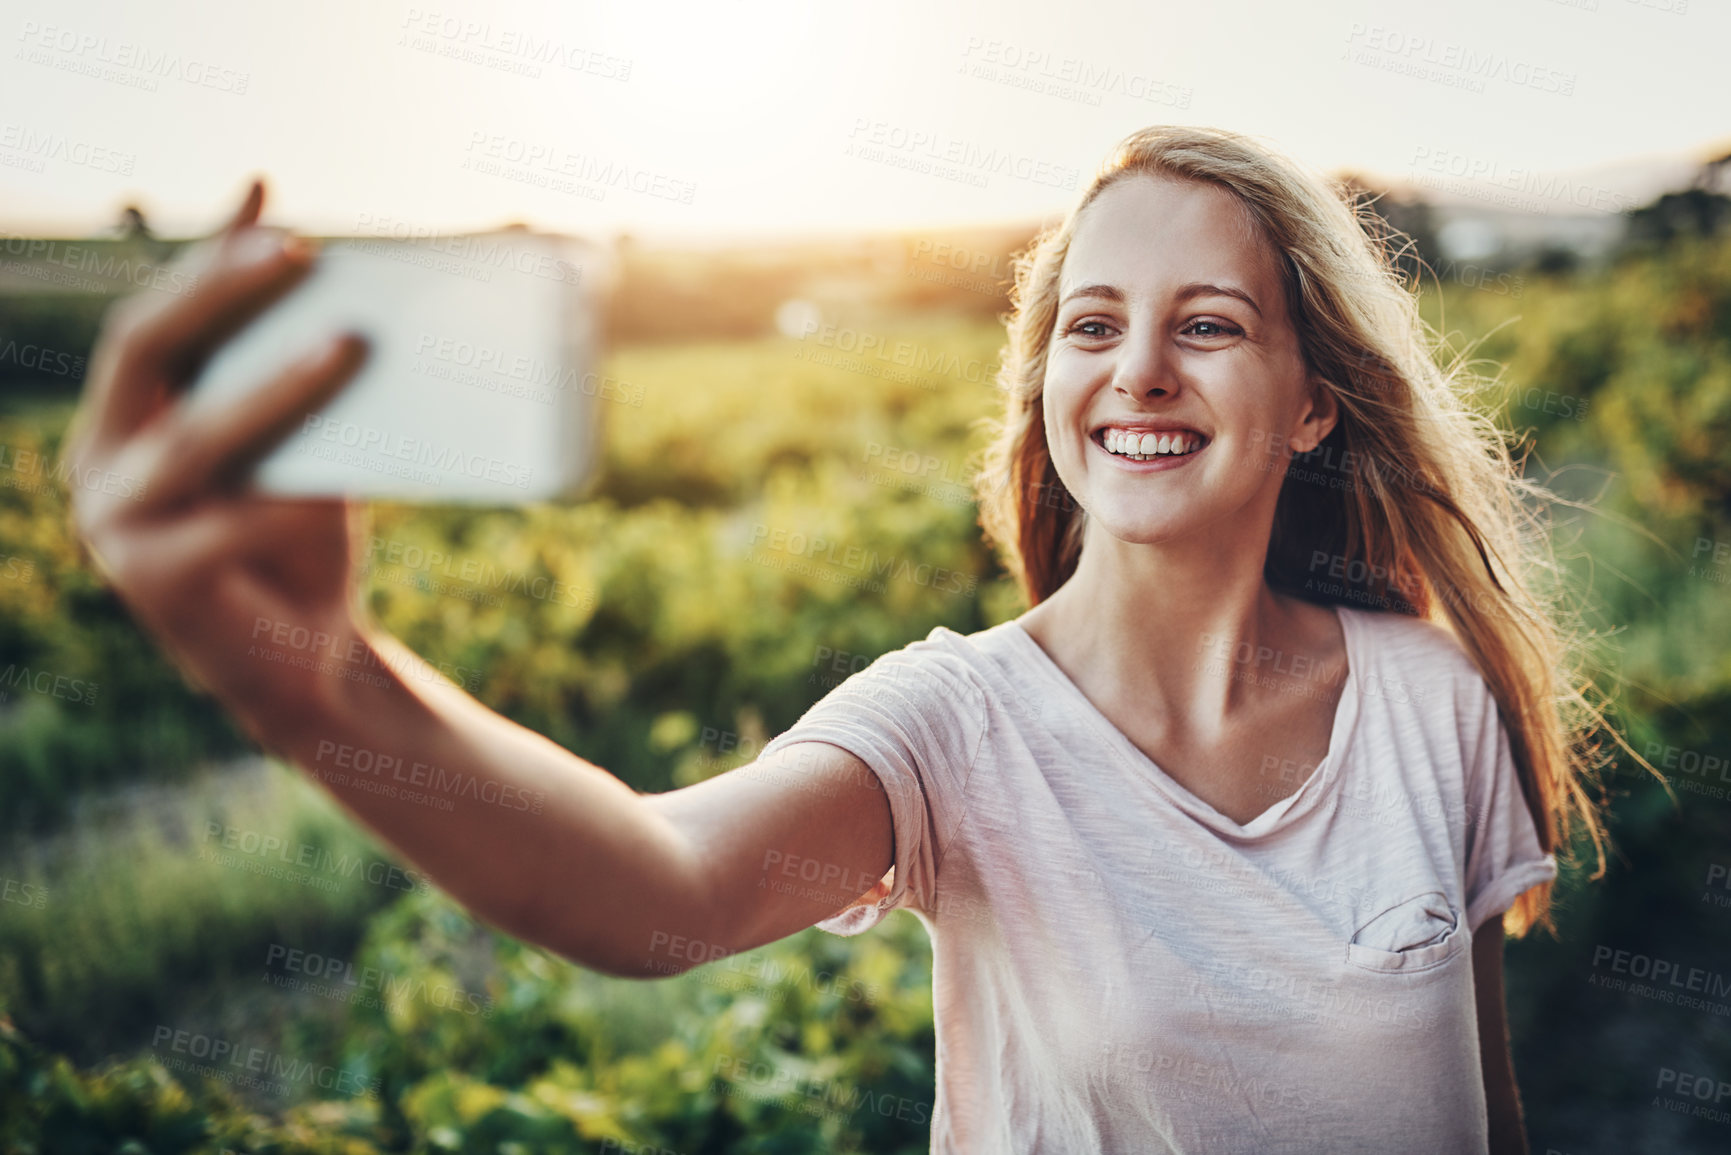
481	384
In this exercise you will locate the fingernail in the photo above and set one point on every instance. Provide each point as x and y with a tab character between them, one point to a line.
258	246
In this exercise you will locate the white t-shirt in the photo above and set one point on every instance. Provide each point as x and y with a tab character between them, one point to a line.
1119	967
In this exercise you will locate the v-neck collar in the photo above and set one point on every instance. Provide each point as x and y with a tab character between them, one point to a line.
1281	813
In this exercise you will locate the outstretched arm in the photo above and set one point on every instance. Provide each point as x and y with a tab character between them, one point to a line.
557	851
1508	1135
254	599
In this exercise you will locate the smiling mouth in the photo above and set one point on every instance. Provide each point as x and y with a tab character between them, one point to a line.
1136	445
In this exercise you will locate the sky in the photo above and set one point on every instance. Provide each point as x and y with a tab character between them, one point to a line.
737	118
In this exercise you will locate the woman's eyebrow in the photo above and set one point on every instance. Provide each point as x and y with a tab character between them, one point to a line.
1203	289
1105	292
1193	289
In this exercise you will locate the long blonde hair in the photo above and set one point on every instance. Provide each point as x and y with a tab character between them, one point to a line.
1417	492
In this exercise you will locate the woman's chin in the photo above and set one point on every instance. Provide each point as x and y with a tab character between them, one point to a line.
1144	530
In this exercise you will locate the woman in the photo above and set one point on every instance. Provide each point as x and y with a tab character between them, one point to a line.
1214	843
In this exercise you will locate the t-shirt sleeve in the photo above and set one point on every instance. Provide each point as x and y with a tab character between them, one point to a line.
1504	856
916	717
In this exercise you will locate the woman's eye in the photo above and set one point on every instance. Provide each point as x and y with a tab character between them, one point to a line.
1081	325
1221	329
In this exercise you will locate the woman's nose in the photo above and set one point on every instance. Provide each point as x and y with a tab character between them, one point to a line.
1145	365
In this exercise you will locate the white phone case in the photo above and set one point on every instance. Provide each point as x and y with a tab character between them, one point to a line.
482	380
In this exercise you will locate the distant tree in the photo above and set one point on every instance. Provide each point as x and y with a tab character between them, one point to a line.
133	224
1407	223
1555	258
1697	211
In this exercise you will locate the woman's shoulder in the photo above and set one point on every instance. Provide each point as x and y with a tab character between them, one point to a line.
976	661
976	673
1415	650
944	665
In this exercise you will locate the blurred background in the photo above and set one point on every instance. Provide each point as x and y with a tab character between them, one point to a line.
815	213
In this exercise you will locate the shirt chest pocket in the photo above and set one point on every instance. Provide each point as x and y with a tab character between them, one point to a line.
1417	934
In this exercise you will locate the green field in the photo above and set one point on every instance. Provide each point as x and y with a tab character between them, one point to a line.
154	871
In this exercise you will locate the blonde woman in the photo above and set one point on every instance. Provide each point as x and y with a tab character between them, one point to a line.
1215	843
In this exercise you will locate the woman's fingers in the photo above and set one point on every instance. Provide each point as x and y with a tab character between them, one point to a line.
250	205
123	390
239	276
152	344
212	445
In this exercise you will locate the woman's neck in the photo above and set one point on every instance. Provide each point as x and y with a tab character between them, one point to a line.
1179	628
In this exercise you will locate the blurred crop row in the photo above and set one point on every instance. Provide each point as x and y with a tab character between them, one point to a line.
156	874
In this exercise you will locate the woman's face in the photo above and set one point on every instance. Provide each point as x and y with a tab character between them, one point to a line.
1172	322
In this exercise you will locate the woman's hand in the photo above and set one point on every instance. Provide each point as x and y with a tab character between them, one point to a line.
159	488
524	833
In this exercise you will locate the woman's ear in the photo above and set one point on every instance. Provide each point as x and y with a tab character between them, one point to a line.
1321	412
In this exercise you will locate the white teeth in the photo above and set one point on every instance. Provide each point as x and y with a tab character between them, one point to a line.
1142	446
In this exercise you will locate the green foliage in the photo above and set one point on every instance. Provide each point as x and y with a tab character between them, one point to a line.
111	709
112	921
689	600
